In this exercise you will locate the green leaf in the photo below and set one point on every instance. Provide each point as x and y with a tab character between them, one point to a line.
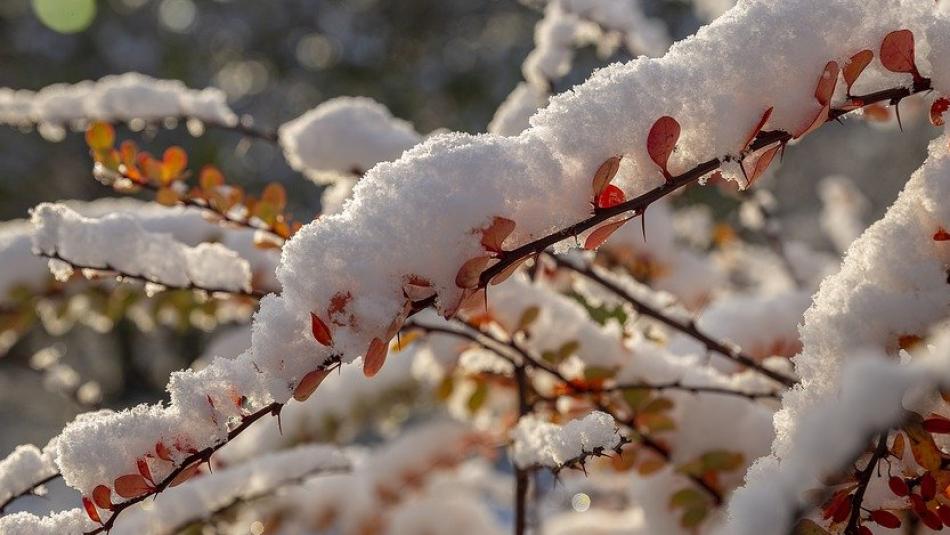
478	397
592	373
528	317
636	397
659	404
567	349
687	497
722	460
694	516
809	527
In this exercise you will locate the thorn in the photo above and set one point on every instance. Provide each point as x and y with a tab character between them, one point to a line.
897	111
781	156
486	299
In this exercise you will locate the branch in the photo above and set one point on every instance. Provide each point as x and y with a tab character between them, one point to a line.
253	294
730	352
29	491
864	479
521	474
639	204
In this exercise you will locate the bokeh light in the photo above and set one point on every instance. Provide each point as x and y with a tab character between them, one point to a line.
65	16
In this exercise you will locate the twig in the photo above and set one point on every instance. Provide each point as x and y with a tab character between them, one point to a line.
521	475
252	294
29	491
731	352
864	479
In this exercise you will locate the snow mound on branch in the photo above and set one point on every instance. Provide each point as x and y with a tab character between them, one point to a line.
539	443
23	468
121	97
420	216
71	522
118	241
345	135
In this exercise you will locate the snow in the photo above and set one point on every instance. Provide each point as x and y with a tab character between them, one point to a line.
844	209
72	522
23	468
112	98
539	443
344	135
420	216
118	241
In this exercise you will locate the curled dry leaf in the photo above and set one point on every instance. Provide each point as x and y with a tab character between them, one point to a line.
102	495
131	486
855	67
417	288
605	173
897	52
142	465
600	234
375	357
761	165
937	109
91	510
503	275
321	333
471	271
494	236
661	141
823	93
308	384
758	127
162	451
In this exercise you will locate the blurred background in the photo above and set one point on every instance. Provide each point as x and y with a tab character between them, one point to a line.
440	64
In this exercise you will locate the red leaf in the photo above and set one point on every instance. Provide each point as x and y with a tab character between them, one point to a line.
102	496
827	83
937	424
762	164
898	486
494	236
842	511
600	235
931	520
611	196
897	52
856	66
91	510
320	331
928	487
864	530
937	109
375	357
944	512
131	486
308	384
758	127
917	504
471	271
941	235
605	173
184	475
885	518
142	466
162	451
816	123
662	140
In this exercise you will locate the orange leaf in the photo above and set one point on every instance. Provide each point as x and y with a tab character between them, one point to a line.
184	475
142	466
600	235
758	127
661	141
471	271
162	451
210	178
91	510
100	136
174	162
320	331
131	486
309	383
937	109
166	196
856	66
275	195
761	164
816	123
610	197
494	236
503	275
102	496
605	173
417	288
827	83
375	357
897	52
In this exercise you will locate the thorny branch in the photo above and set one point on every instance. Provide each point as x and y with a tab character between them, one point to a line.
252	294
29	491
864	479
689	328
